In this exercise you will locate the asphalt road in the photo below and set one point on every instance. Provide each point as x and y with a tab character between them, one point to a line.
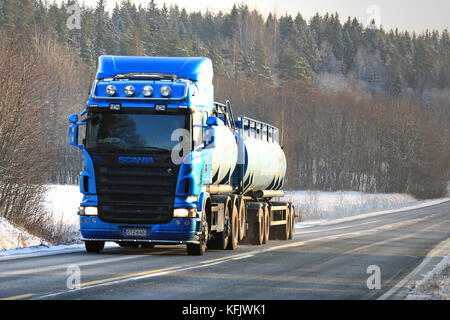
322	262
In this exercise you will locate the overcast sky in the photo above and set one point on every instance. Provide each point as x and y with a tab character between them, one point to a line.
412	15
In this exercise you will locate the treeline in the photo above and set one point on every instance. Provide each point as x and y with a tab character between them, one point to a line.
244	44
359	108
41	82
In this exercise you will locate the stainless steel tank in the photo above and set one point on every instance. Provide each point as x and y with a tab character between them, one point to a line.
263	161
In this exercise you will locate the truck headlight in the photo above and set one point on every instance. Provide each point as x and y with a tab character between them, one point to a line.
129	91
88	211
110	90
184	213
147	91
165	91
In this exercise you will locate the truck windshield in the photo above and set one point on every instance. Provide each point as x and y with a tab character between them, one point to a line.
134	132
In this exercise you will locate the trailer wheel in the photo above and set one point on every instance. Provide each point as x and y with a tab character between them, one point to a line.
256	228
94	246
285	229
266	224
292	230
242	219
234	229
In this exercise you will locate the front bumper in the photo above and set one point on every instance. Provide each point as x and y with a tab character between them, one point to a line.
178	231
165	242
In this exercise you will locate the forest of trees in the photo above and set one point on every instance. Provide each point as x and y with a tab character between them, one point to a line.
359	108
244	44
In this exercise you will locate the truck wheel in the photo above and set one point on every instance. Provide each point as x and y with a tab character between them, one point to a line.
266	224
94	246
199	249
287	230
291	233
284	230
220	240
242	220
234	235
256	228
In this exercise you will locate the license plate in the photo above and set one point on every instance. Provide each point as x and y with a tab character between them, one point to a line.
135	232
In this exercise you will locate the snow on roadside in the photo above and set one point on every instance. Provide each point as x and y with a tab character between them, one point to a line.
318	206
435	285
12	237
62	201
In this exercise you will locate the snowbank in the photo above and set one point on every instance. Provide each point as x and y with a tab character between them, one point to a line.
316	205
12	237
435	285
62	201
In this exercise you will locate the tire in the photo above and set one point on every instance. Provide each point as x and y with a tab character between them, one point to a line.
292	210
94	246
256	228
234	229
242	220
285	230
266	224
220	240
199	249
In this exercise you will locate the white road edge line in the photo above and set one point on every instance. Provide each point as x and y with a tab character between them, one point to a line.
433	253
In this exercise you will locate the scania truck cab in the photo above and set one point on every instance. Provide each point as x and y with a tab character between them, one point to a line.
165	164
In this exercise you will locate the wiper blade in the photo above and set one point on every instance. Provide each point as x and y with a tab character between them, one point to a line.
157	149
108	150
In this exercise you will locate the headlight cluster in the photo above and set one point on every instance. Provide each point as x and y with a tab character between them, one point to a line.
184	213
88	211
147	91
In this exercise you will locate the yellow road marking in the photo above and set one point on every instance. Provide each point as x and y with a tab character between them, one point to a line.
226	258
21	296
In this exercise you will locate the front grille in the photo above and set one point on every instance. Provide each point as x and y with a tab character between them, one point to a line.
135	193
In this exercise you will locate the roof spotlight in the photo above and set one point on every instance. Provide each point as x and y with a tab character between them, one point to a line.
110	90
129	91
147	91
165	91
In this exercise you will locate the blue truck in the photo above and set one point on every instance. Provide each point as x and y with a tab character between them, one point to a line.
165	164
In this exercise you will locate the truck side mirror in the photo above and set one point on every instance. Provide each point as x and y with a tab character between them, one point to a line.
212	121
73	131
73	118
